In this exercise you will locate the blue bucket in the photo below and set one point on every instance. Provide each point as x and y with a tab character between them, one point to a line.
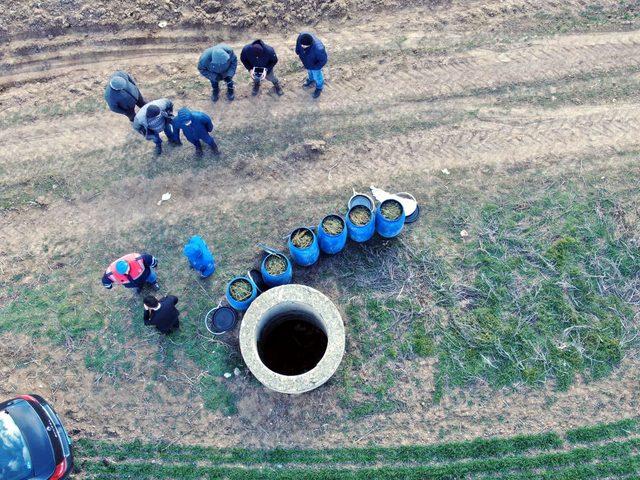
304	256
332	243
360	233
389	228
276	280
241	305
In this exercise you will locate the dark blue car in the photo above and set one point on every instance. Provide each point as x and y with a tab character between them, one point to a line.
33	443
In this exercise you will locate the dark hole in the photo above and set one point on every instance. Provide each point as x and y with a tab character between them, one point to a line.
291	344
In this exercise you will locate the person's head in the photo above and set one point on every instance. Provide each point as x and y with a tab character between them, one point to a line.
257	49
122	267
185	116
117	82
306	40
150	302
192	251
219	56
153	111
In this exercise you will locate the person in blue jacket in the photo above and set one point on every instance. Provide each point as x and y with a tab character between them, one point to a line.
123	95
199	256
313	56
219	63
196	126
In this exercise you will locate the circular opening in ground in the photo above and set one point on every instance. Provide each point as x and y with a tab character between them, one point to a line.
291	341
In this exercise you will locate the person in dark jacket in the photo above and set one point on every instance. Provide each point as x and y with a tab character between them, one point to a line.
132	271
216	64
259	59
313	56
196	126
156	117
122	94
162	313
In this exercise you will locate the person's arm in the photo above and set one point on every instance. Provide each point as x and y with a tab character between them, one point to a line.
173	299
149	260
233	62
147	317
316	58
244	58
203	65
106	282
273	59
168	107
208	123
138	127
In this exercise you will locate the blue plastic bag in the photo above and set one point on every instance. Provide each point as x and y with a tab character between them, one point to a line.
199	256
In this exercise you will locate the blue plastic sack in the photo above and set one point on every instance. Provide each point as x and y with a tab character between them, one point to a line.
199	256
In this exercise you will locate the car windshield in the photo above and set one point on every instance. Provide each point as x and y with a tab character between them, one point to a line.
15	461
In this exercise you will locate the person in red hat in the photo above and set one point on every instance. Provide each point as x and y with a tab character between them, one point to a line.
260	59
132	271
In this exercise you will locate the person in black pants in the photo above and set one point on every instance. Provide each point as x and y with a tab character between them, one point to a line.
162	313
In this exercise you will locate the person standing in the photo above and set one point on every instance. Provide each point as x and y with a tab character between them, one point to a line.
122	94
162	313
216	64
314	57
156	117
132	271
196	127
260	59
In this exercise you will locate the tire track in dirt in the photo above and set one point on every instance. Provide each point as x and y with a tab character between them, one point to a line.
408	27
481	71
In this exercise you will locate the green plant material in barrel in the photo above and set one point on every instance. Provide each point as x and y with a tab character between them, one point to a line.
302	238
241	289
360	215
333	225
391	210
276	264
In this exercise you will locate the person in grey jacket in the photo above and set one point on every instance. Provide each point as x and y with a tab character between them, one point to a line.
122	94
156	117
219	63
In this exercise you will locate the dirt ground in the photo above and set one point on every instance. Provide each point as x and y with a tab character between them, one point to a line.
437	63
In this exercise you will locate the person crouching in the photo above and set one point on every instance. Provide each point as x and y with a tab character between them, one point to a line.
156	117
196	127
162	313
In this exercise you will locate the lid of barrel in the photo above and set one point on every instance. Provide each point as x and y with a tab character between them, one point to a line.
222	320
414	216
256	276
361	199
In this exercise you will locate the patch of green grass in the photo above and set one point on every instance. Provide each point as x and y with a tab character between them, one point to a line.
473	449
523	457
50	312
623	428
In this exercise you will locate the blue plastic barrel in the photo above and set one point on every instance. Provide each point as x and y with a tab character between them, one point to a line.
304	256
276	280
389	228
241	305
332	243
360	233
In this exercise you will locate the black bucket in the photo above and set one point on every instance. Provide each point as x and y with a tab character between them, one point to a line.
220	320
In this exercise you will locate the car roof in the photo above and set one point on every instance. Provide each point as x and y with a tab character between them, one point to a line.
35	436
